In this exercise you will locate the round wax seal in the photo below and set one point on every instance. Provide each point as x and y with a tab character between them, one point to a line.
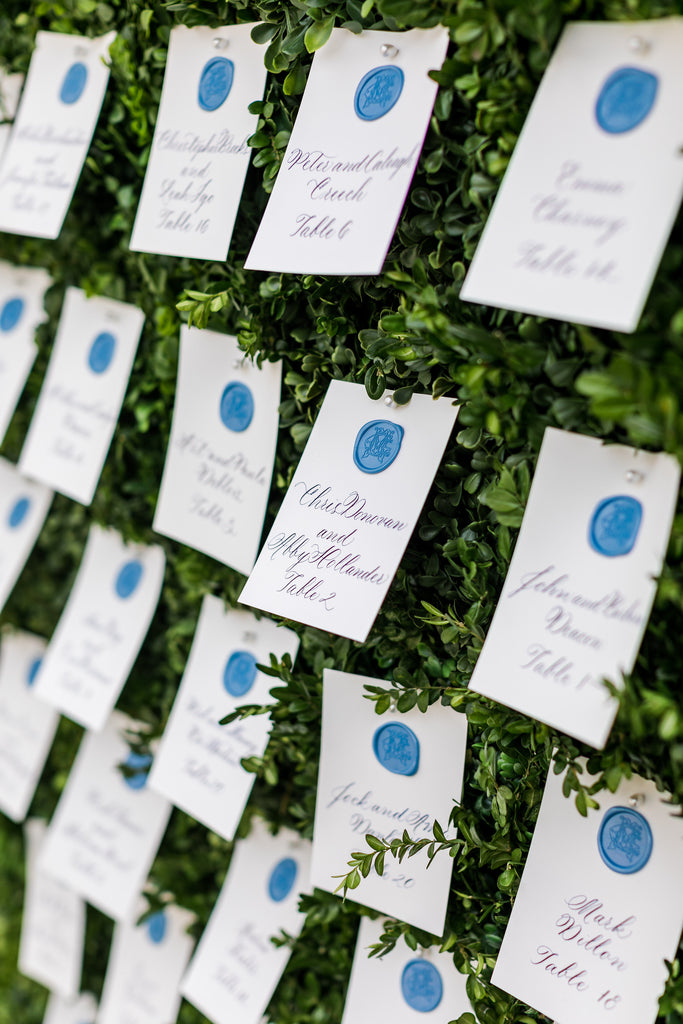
377	92
11	313
128	578
215	83
282	879
239	673
101	352
33	670
625	100
397	748
18	512
74	83
156	927
237	406
142	763
624	840
421	985
614	525
377	445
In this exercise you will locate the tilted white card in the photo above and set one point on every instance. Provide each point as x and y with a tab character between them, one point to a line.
403	986
352	154
146	964
107	827
349	512
22	291
197	765
594	183
581	583
199	156
53	923
102	627
82	1010
236	967
27	725
23	508
81	396
221	451
599	907
381	775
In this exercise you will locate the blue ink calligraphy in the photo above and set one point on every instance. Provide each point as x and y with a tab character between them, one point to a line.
156	927
421	986
74	83
101	352
18	512
239	673
128	579
377	445
624	840
237	406
282	879
614	525
11	313
397	748
378	91
215	83
625	100
139	764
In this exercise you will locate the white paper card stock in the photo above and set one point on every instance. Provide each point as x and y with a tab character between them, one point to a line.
352	154
10	88
23	508
599	907
53	925
107	827
594	183
27	726
236	967
381	775
349	512
102	627
581	583
82	393
197	765
403	986
146	964
81	1010
221	451
22	290
48	144
200	156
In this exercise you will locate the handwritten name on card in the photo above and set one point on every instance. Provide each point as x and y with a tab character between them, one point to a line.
22	291
352	154
221	451
349	512
23	508
581	583
59	107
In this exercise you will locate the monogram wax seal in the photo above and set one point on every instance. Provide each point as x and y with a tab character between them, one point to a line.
101	352
11	313
140	765
282	879
18	512
397	748
239	673
73	83
626	98
421	986
378	91
128	579
624	840
377	445
215	83
156	927
614	525
237	406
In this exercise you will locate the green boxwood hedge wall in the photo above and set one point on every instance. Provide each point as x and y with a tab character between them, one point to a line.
405	328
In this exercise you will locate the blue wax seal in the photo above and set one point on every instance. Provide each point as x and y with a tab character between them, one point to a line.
128	578
377	445
282	879
215	83
156	927
101	352
614	525
421	985
239	673
237	406
625	100
11	313
141	763
33	670
397	748
18	512
378	91
624	840
74	83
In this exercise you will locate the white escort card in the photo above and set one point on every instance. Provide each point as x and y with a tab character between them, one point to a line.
236	967
53	924
22	291
82	393
407	986
107	826
23	508
146	964
594	183
581	583
10	89
199	156
599	907
27	726
102	627
349	512
48	144
383	775
221	451
197	765
82	1010
352	153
